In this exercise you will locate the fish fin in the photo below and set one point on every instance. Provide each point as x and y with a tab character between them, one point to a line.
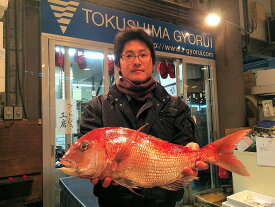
220	153
130	189
129	184
126	183
127	146
180	183
114	166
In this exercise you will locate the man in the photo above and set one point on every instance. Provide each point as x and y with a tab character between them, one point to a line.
138	100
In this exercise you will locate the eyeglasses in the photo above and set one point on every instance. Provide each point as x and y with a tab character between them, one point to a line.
143	57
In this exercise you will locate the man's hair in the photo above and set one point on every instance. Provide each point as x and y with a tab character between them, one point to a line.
129	34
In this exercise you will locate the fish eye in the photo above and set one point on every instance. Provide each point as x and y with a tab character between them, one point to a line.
83	146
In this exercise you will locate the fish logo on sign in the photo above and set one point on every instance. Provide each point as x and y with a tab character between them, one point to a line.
64	11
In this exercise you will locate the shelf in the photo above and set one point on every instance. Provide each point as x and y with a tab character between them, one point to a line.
18	187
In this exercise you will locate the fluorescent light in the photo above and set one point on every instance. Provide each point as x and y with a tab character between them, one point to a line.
87	54
94	55
82	85
72	51
111	57
197	106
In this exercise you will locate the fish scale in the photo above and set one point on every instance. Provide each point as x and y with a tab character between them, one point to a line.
136	159
160	168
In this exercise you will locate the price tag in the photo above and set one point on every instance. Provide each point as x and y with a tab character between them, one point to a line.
244	144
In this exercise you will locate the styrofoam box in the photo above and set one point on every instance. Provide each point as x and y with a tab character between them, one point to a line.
262	179
265	77
225	204
240	199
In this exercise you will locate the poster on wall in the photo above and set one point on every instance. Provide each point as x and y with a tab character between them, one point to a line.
268	109
266	150
66	116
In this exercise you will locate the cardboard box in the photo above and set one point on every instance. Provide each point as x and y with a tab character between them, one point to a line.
249	81
249	78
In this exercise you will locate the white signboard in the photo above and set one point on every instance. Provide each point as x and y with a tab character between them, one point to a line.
265	151
172	90
66	116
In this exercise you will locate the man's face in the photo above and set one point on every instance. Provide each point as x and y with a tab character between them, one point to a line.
136	62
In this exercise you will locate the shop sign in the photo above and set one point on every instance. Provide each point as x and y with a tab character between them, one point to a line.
66	116
87	21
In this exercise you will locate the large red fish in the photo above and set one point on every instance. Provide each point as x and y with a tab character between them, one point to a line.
134	159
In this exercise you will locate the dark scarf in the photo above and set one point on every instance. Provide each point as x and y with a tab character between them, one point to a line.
138	92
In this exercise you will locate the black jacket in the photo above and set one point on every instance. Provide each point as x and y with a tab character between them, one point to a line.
166	117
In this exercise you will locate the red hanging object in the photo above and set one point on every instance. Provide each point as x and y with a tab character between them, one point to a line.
223	173
171	70
111	67
162	70
59	59
80	59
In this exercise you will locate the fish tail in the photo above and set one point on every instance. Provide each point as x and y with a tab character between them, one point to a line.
220	153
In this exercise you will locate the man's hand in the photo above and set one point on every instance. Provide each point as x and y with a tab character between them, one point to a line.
199	164
105	183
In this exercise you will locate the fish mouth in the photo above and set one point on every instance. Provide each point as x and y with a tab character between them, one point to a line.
69	171
67	163
74	170
70	167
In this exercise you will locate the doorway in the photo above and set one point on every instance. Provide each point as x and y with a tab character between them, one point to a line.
73	74
194	81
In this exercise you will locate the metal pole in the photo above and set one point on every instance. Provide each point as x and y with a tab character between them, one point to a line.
178	77
184	81
67	77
